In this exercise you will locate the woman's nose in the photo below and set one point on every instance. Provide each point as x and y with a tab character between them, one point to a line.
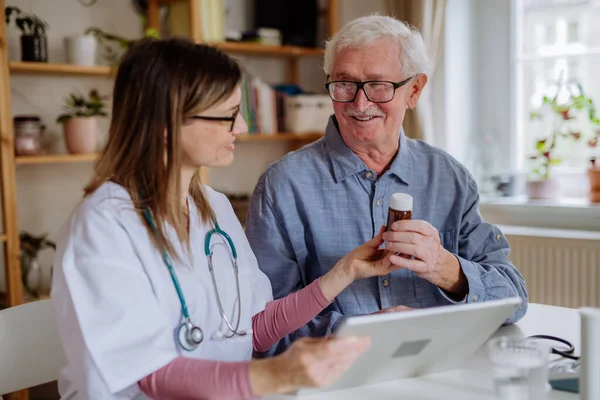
240	126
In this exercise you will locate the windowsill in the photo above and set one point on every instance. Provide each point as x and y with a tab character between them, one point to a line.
524	201
573	213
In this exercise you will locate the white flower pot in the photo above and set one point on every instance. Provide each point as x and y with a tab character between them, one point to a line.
81	50
543	189
81	135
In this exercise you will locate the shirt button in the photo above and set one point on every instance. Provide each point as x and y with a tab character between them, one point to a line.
369	175
378	202
386	283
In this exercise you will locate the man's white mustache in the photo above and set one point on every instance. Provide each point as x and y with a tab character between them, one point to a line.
369	112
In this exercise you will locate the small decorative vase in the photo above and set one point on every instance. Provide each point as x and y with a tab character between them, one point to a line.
81	50
594	179
543	189
81	135
34	48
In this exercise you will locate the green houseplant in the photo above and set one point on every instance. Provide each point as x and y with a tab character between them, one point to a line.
34	44
107	41
566	117
79	120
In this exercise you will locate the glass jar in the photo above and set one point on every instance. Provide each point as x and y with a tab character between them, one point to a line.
28	133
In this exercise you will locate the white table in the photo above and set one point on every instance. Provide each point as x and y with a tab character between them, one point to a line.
474	381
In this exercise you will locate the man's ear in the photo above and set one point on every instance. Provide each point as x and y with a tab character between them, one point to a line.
417	86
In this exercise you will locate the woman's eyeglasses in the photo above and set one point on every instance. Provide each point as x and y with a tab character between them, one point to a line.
220	119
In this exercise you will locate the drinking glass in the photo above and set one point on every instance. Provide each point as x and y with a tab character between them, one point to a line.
520	368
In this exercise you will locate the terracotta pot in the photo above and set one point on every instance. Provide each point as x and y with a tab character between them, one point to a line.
594	178
543	189
81	135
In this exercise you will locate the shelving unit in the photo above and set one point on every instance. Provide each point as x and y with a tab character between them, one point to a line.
9	162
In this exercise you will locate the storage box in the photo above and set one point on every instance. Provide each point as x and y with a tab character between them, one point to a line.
307	113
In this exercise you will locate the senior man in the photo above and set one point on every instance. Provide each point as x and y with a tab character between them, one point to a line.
315	205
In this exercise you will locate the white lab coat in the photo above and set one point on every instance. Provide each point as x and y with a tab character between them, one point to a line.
116	305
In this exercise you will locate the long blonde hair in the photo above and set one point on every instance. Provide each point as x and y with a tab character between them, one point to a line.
158	85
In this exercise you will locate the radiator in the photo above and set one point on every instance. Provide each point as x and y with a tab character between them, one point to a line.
560	268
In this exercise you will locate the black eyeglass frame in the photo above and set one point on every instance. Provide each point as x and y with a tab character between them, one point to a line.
231	119
361	86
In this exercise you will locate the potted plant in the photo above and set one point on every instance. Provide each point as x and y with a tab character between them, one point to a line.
107	40
564	115
80	125
594	171
34	44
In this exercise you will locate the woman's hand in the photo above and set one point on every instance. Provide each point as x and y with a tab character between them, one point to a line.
308	363
364	261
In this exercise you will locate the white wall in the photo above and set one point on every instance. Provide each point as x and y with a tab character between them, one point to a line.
459	78
47	194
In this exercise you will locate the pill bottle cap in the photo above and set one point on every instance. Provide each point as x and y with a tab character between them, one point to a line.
401	202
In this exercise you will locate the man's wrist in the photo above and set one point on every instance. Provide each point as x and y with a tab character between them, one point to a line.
452	278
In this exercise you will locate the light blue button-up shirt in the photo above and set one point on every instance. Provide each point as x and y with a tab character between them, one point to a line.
315	205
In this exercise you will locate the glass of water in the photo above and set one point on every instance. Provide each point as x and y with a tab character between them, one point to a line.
520	368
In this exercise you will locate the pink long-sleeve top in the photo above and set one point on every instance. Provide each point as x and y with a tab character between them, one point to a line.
189	378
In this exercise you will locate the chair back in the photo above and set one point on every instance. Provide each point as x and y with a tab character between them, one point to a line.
31	352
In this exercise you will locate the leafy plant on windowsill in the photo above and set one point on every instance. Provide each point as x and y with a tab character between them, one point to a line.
564	116
78	106
594	143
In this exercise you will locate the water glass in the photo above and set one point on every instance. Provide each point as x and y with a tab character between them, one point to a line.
520	368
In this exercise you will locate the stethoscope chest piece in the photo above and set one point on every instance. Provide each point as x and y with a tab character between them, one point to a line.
189	336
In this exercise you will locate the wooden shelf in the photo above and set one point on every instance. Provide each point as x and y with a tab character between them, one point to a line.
74	158
2	238
55	158
267	50
279	137
39	68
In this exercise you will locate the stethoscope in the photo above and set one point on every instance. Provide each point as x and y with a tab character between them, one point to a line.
566	353
189	336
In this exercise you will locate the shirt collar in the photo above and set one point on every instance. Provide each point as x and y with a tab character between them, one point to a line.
345	163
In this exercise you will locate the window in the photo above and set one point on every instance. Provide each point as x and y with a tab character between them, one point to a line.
557	49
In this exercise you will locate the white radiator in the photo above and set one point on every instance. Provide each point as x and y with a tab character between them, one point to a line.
560	267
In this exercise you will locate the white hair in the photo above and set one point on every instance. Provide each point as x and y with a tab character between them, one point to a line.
363	31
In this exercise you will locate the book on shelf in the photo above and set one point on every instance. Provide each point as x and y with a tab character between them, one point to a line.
212	19
262	107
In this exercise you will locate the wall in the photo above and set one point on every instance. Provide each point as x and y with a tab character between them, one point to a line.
47	194
459	78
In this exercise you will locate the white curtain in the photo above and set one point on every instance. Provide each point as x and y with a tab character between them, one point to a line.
428	17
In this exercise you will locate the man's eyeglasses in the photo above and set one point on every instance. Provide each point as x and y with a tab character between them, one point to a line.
221	119
376	91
